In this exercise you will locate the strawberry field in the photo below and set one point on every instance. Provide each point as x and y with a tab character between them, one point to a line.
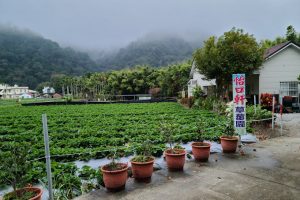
83	132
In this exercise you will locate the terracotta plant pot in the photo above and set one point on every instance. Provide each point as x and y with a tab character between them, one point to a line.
201	151
229	143
142	170
115	180
175	161
36	190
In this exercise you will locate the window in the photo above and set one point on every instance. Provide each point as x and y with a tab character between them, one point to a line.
289	88
193	82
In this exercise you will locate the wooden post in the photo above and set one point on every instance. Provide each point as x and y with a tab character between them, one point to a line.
47	155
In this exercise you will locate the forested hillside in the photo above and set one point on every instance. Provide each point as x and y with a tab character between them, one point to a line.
28	59
154	52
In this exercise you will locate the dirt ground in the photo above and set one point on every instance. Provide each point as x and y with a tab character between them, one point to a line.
270	169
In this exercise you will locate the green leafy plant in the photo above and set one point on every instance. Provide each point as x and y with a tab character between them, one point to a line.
168	131
22	195
229	128
14	168
92	179
198	92
91	131
66	183
207	103
113	165
145	153
200	130
257	113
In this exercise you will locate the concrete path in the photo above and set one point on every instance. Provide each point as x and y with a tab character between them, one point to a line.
268	170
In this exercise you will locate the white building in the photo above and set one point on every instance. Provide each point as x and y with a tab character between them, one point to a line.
26	96
48	90
12	92
277	75
280	70
198	79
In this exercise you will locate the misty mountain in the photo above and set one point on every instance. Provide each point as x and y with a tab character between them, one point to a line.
29	59
153	51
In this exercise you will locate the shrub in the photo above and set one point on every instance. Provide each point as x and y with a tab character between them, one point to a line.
155	92
198	92
260	113
189	102
209	103
266	99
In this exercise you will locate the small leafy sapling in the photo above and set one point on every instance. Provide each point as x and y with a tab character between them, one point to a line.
15	165
200	130
229	129
113	155
143	154
168	131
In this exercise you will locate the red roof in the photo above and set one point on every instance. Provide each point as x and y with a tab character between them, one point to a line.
269	52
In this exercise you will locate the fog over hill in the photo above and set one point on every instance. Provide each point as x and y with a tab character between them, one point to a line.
27	58
154	50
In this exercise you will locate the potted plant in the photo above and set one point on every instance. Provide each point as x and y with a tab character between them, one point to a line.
142	163
175	155
15	166
200	149
115	174
229	141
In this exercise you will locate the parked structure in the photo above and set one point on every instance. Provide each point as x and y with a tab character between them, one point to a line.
48	92
12	92
277	75
33	93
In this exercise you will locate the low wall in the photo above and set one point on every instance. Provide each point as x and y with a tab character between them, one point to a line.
48	103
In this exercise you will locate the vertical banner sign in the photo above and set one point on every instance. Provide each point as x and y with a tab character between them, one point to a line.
239	100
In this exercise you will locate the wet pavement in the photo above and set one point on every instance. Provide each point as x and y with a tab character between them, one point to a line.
269	169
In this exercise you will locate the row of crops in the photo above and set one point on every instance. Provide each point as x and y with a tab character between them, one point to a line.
91	131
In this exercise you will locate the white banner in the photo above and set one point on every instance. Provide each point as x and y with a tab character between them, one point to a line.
239	101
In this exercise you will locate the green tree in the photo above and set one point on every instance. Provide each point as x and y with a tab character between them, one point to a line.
270	43
41	86
233	52
291	34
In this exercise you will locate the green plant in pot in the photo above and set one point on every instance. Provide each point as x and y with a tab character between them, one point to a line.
175	155
229	141
114	174
200	149
15	166
142	163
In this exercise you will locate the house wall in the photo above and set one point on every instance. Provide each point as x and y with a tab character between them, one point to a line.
197	80
12	92
284	66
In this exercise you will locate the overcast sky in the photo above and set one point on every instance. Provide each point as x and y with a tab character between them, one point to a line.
113	23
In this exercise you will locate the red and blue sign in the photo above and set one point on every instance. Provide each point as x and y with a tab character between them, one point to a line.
239	101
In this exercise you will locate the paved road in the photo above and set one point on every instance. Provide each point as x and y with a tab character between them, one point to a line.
269	170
